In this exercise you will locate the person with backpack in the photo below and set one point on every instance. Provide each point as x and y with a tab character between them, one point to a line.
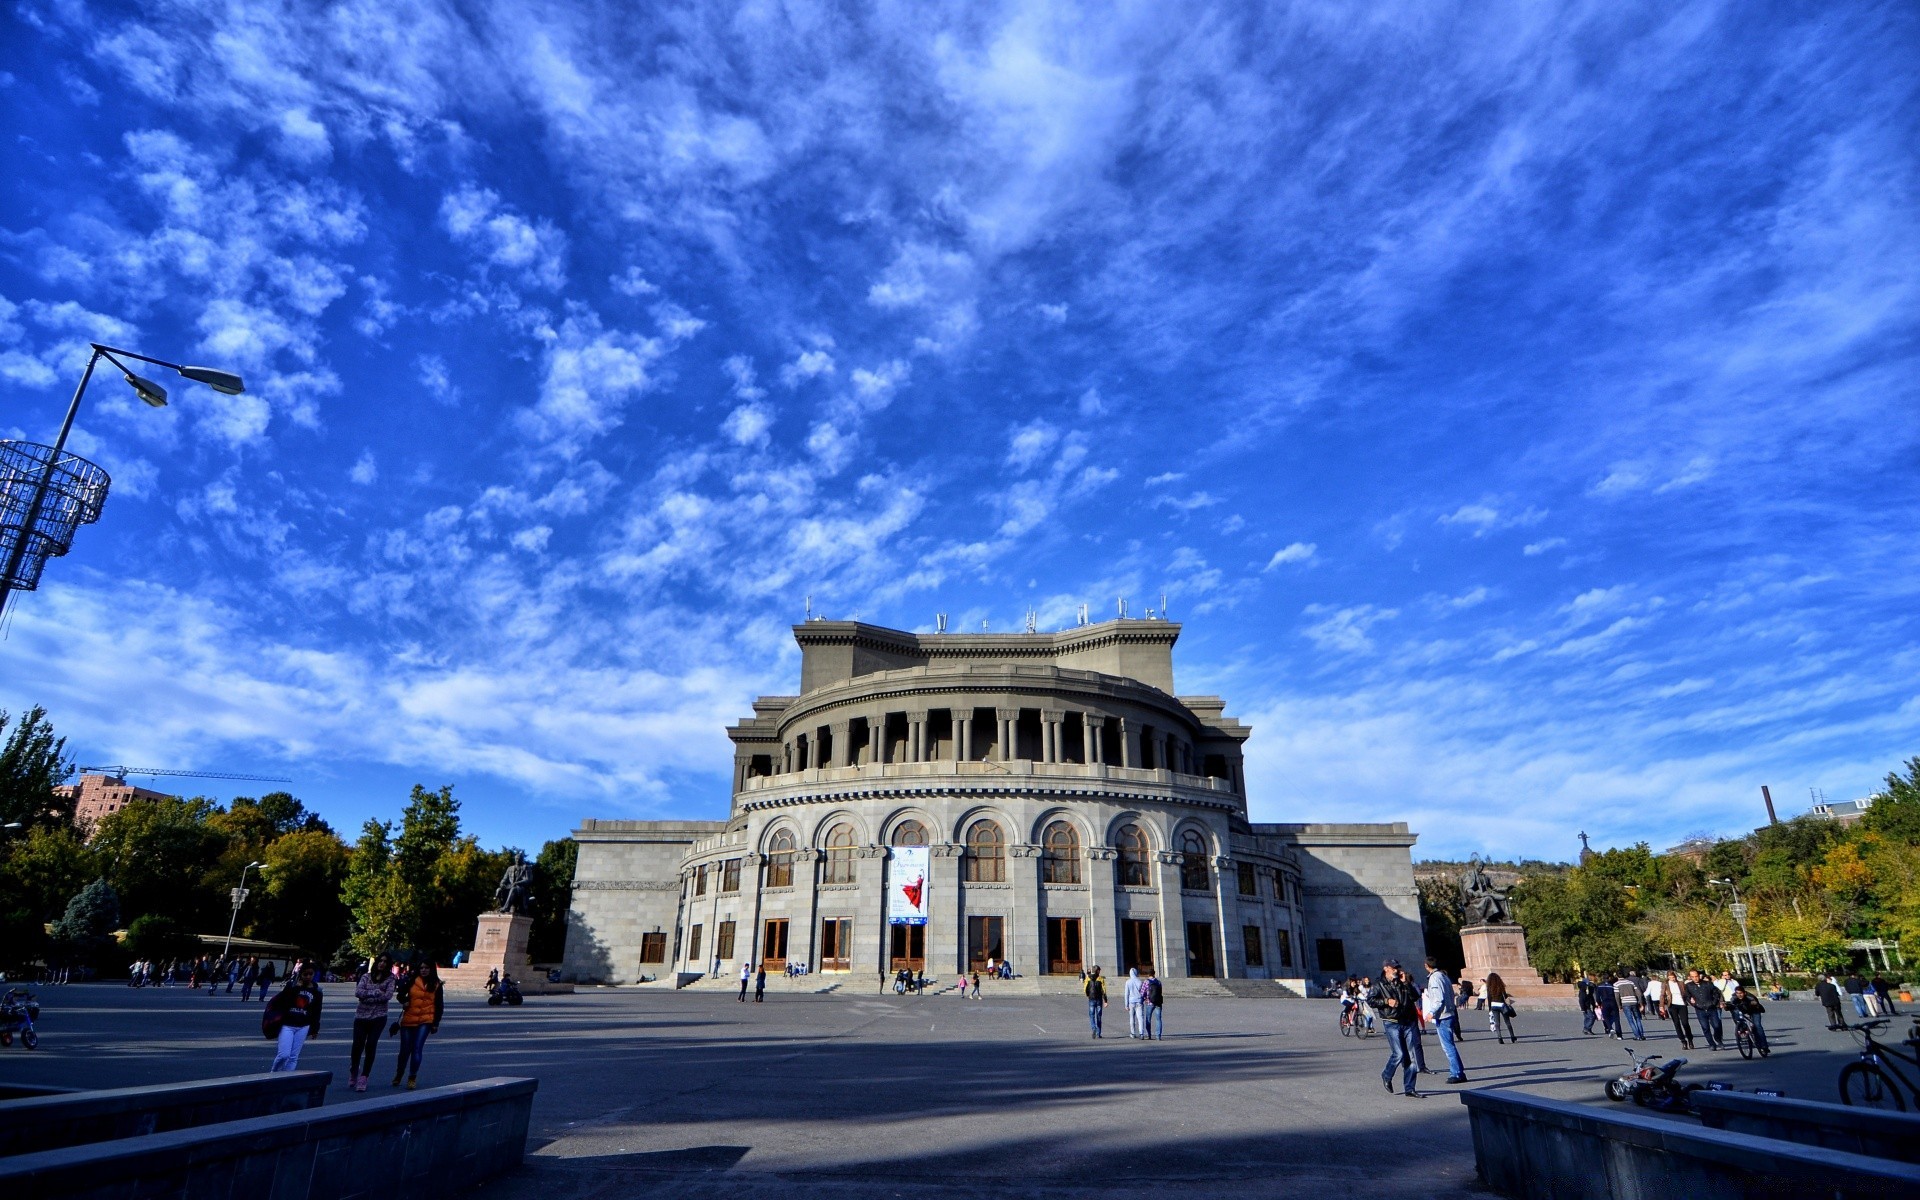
292	1017
371	994
1096	990
1151	1025
424	1000
1583	992
266	980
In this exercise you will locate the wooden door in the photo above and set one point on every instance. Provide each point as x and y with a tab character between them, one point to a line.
1063	946
1200	949
836	944
773	945
909	947
1136	945
984	941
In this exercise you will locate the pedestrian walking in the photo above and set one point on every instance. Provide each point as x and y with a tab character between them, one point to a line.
1442	1009
1135	997
1703	997
1156	1007
1606	1001
424	1000
1828	992
1096	990
746	977
266	979
1726	983
1399	1008
371	994
298	1009
1499	1009
1882	992
1856	989
760	985
1676	1010
1583	992
1627	992
976	985
249	977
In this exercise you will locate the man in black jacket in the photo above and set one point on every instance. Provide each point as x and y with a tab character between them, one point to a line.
1398	1004
1829	995
1703	996
1583	992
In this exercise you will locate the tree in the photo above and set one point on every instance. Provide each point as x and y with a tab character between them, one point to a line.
43	869
422	889
1895	814
553	896
368	891
159	938
159	853
299	895
32	763
85	930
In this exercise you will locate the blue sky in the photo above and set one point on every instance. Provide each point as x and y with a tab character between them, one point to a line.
1516	404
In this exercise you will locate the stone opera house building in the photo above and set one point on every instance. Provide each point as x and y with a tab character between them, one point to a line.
936	801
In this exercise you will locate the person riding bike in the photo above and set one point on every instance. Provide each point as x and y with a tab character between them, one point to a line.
1747	1008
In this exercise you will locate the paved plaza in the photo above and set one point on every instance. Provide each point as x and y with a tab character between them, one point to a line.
695	1094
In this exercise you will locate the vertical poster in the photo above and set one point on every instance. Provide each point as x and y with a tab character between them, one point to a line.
907	886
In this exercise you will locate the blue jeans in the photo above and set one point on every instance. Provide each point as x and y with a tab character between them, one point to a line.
413	1044
1094	1009
1153	1022
1859	1004
1400	1040
1632	1012
1586	1020
1445	1026
1710	1025
1610	1020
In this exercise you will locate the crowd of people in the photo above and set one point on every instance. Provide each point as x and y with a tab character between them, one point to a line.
1619	1003
293	1013
211	971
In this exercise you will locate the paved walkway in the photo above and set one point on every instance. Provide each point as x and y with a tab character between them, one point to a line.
698	1095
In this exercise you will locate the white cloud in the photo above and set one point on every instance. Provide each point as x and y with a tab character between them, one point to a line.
739	368
748	424
1534	549
588	375
1056	313
436	378
1486	516
810	364
1029	442
874	387
534	251
1295	552
364	471
1346	630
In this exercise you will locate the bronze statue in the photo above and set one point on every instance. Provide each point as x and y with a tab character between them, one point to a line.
1487	903
515	893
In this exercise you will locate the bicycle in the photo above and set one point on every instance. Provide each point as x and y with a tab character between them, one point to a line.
1873	1081
1354	1022
1743	1039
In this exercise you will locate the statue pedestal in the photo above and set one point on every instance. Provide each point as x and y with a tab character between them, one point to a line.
1503	949
500	944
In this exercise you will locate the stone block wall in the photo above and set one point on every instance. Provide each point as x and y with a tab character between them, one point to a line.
627	884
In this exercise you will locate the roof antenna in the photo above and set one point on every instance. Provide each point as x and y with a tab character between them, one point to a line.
1085	619
1163	606
983	624
1033	621
939	622
809	608
1123	607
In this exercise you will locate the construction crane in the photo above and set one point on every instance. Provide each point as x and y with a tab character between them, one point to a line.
123	772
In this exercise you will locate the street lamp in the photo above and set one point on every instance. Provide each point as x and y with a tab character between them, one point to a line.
1739	911
46	494
239	896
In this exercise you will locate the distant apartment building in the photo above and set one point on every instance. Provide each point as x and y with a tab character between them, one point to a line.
97	796
1846	811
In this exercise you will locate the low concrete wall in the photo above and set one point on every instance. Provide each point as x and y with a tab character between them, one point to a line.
1867	1131
1527	1146
76	1118
21	1091
435	1142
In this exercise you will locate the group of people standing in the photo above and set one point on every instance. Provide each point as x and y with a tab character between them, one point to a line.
415	988
1145	999
1871	997
1615	997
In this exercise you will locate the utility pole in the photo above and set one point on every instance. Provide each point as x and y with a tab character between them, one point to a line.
239	896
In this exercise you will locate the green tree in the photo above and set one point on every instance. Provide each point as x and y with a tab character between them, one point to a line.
32	763
298	900
85	930
553	896
159	938
1895	814
159	853
43	868
368	892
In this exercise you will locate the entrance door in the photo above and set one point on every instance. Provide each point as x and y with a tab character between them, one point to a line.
1063	946
773	946
909	947
983	942
1200	949
836	944
1136	945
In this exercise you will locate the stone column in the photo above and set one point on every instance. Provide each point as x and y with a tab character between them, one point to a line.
1050	734
1172	950
1229	956
842	745
946	912
878	739
917	736
803	943
963	737
868	956
1096	738
1123	735
683	956
1103	919
754	868
1026	924
1009	722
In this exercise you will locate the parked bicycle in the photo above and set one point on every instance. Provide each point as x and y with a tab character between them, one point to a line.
1874	1080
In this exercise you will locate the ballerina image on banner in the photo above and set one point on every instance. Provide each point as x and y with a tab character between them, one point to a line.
907	886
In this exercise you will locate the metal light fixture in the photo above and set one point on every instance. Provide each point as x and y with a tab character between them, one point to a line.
46	494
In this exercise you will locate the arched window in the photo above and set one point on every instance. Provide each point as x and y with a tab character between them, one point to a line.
986	853
840	854
1193	872
780	859
1060	854
1132	844
909	833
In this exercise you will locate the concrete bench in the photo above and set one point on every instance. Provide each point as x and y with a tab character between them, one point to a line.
1527	1146
76	1118
435	1142
1867	1131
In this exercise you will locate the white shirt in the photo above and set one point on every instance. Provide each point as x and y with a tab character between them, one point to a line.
1655	988
1726	987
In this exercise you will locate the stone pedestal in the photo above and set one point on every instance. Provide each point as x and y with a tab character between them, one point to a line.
500	944
1503	949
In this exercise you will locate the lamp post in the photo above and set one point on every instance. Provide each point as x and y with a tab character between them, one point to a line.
239	895
31	475
1739	911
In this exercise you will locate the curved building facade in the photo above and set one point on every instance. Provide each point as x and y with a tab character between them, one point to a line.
937	801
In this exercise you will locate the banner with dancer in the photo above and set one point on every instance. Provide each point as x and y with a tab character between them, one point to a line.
907	886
